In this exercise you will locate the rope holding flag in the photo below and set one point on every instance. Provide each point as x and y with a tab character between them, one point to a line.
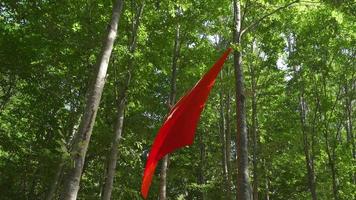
178	130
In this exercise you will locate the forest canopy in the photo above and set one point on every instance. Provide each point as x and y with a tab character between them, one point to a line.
85	85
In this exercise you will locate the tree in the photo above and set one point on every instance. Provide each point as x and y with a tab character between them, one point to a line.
243	184
171	102
289	50
81	140
121	104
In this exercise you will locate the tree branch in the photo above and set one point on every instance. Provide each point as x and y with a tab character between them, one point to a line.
256	22
245	10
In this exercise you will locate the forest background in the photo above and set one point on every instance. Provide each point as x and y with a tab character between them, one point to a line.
298	64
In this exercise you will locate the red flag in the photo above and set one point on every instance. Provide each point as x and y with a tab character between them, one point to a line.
179	128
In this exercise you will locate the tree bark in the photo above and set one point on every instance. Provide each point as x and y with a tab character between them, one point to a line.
112	157
163	179
72	181
255	136
171	101
243	184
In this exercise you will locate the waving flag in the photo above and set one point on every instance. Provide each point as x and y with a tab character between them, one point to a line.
179	128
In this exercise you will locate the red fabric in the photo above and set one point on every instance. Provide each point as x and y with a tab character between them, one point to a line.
179	128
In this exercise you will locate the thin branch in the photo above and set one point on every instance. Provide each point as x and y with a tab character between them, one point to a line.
245	10
267	15
315	2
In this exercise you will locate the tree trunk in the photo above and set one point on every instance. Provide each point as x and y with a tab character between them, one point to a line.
225	137
222	130
163	179
308	161
243	184
201	177
50	194
172	97
331	159
71	184
112	157
255	136
330	152
349	127
56	179
228	145
267	189
267	182
330	148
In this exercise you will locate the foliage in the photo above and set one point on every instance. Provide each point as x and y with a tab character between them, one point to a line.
48	50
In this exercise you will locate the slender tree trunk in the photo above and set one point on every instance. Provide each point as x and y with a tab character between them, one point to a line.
266	179
329	148
112	157
243	184
54	184
255	136
267	189
71	184
331	159
334	178
223	139
163	179
308	161
50	194
349	127
201	177
330	151
228	145
172	97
